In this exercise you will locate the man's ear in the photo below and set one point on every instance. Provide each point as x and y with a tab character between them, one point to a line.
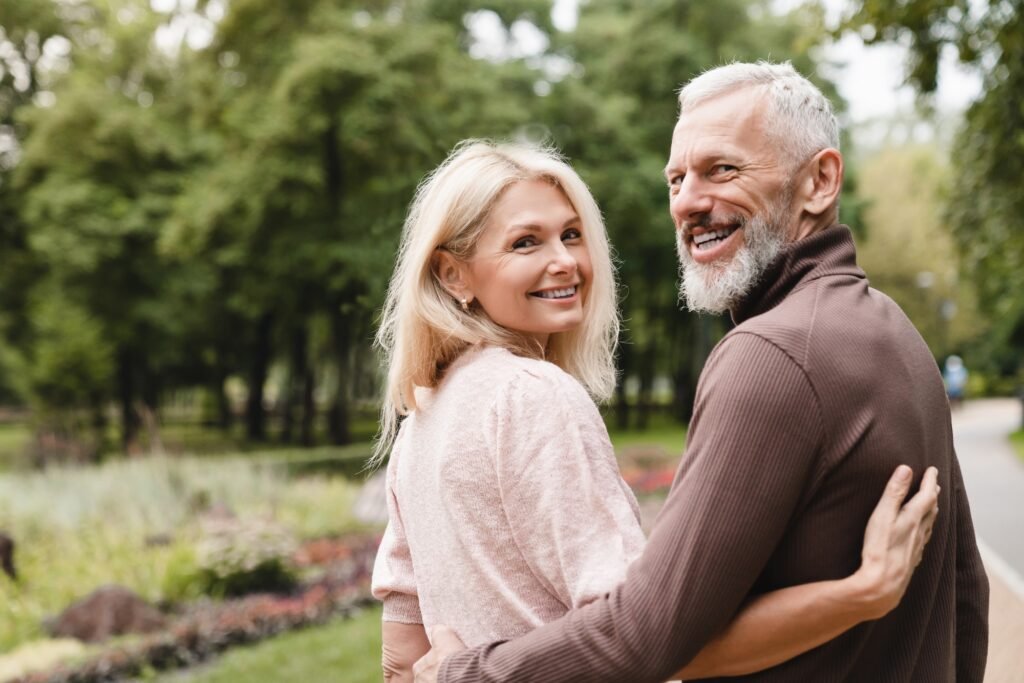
452	275
822	182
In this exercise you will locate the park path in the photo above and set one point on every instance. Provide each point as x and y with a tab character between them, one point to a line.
994	478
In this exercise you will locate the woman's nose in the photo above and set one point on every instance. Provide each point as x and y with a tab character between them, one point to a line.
562	260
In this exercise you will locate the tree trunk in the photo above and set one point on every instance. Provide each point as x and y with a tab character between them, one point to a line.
624	361
126	396
645	397
149	410
306	435
255	419
338	414
225	417
300	390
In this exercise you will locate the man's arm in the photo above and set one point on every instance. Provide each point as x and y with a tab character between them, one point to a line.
753	444
782	624
971	590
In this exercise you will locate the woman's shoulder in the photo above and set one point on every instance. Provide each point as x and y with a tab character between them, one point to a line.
510	380
505	370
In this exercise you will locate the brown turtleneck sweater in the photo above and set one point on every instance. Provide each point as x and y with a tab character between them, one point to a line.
803	411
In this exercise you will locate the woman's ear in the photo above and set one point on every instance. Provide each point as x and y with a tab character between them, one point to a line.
452	275
823	182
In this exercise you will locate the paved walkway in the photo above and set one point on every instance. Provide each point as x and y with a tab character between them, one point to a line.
994	477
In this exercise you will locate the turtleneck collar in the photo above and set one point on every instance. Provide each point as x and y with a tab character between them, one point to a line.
829	252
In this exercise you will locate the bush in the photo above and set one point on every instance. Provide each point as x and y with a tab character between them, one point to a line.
235	557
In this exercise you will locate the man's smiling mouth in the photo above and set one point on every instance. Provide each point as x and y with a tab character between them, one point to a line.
707	240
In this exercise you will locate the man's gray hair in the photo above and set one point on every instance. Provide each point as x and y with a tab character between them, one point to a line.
800	118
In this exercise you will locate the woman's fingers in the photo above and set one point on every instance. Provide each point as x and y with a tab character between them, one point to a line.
895	493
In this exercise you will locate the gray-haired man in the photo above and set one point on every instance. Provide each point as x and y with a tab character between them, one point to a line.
802	411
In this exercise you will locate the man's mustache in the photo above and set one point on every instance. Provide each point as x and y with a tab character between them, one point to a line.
711	221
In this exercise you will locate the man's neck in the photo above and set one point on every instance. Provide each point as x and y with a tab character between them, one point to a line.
810	224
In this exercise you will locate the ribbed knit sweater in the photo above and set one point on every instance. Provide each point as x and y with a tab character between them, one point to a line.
505	503
803	411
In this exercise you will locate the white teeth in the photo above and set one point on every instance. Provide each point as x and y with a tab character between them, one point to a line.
706	237
557	293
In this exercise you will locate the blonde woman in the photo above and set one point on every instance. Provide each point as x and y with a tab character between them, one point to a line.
499	331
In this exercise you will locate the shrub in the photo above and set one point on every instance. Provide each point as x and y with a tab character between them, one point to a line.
235	557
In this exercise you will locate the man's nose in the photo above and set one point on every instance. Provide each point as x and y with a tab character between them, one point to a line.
689	200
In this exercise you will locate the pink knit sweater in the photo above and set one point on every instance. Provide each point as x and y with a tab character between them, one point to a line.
505	502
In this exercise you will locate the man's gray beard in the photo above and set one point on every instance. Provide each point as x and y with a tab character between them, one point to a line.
717	287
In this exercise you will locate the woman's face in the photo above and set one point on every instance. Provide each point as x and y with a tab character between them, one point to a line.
531	269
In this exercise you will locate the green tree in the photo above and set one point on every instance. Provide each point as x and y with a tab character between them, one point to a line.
614	116
985	207
909	252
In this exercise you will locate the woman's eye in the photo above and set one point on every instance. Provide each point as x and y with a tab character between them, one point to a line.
524	242
571	234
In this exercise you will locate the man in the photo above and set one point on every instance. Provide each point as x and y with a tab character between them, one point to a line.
802	411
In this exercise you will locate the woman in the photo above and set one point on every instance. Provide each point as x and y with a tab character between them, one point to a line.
506	508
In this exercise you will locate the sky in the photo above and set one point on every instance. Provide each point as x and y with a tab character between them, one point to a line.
870	78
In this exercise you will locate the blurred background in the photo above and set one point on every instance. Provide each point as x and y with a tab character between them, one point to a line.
200	203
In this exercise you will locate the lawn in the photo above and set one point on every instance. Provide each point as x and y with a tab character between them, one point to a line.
343	651
663	433
14	438
1017	439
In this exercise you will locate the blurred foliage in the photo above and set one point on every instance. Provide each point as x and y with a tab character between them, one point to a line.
210	196
239	556
910	254
985	207
136	523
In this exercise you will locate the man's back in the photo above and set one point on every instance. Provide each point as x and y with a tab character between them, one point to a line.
801	413
881	402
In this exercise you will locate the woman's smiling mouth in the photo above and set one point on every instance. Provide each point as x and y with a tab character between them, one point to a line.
560	293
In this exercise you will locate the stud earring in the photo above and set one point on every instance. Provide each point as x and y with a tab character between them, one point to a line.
465	305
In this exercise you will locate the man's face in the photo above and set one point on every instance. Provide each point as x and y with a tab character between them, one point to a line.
730	199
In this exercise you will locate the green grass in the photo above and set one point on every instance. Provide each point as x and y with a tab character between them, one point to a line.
662	432
671	439
14	439
1017	439
343	651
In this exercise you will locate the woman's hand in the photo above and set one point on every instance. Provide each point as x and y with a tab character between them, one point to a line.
403	645
894	540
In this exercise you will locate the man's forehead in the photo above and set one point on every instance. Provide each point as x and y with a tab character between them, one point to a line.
723	121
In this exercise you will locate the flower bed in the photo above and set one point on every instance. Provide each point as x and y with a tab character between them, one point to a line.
208	628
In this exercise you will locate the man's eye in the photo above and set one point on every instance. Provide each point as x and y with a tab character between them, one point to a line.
723	168
571	234
676	180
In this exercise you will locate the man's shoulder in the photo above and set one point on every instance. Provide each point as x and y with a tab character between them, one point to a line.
788	326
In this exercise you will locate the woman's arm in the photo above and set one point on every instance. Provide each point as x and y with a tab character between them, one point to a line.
780	625
403	645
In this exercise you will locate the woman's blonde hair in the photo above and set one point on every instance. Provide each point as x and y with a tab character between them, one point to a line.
423	328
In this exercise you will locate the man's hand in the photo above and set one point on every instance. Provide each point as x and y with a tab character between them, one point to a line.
444	642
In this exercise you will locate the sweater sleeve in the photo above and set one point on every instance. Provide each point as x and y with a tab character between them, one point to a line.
971	591
753	444
575	521
394	582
